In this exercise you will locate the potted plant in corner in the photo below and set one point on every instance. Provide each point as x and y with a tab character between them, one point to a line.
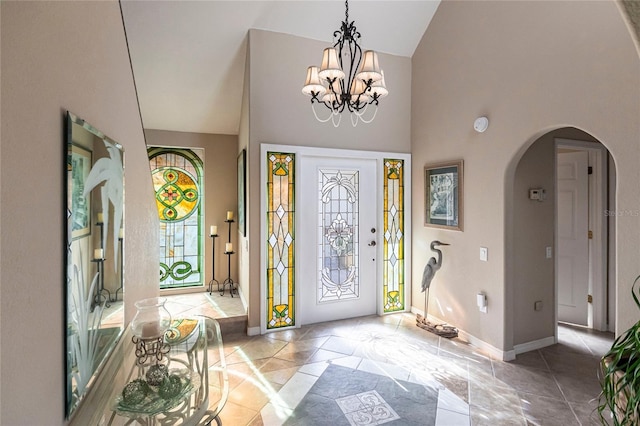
621	376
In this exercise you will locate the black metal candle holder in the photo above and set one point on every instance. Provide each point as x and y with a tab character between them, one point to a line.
229	281
97	298
115	299
213	264
150	350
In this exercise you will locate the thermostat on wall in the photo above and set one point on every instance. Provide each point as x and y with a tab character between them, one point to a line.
538	194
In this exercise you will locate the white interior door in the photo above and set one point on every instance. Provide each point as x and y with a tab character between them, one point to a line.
337	238
573	241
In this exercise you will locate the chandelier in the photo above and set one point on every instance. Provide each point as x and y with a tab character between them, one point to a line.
357	92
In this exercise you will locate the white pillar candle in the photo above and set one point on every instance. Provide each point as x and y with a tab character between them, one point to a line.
214	230
100	218
98	254
229	248
229	215
150	330
121	233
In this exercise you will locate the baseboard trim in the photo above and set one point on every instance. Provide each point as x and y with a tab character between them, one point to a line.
253	331
472	340
533	345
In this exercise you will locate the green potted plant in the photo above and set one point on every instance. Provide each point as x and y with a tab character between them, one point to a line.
620	368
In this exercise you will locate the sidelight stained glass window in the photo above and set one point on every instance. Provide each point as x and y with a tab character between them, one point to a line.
393	250
177	176
280	240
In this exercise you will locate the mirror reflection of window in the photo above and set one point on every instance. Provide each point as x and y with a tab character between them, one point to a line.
178	176
95	238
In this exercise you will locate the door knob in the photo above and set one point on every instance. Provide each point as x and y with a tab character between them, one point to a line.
372	244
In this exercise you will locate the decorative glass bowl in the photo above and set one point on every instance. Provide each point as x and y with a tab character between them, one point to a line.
143	399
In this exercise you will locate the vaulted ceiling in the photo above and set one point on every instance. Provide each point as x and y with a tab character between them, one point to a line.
188	57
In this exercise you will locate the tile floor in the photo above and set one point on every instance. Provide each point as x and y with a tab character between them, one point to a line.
385	370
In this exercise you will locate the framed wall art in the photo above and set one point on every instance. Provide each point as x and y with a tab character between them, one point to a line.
443	185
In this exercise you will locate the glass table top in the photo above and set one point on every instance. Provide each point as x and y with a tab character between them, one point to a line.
180	379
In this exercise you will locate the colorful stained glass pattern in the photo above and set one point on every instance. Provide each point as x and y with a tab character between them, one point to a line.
393	250
177	193
280	240
177	176
338	239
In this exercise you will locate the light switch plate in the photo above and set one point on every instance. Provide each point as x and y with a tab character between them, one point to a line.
549	252
484	254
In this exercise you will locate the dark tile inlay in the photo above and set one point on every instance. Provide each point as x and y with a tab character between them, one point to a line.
414	404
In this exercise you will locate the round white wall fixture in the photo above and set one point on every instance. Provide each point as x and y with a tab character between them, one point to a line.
481	124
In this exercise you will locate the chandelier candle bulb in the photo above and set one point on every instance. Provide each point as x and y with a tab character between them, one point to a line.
100	218
98	253
121	234
228	248
214	230
229	215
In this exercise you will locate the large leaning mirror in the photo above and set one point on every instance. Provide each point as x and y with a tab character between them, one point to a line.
94	248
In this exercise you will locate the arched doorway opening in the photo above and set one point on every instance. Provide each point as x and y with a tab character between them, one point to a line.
561	238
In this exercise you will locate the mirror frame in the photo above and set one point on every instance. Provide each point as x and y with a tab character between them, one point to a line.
94	177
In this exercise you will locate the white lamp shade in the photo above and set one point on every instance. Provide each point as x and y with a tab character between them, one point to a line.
369	68
357	88
330	67
379	87
312	84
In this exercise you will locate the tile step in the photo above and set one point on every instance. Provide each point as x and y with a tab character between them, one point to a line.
233	325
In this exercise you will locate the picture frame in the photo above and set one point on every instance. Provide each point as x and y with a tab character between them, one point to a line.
81	163
242	191
444	199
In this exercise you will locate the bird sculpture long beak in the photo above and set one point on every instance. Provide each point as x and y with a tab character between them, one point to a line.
444	244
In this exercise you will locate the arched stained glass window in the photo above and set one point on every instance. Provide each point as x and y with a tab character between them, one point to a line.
178	183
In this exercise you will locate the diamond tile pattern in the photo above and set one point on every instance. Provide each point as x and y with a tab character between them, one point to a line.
366	408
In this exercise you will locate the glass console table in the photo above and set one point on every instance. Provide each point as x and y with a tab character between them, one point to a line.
194	358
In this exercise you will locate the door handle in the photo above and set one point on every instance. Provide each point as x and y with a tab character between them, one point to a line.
372	244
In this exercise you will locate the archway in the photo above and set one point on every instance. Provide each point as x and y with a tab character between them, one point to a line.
534	234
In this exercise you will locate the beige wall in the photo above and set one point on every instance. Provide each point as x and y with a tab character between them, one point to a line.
280	113
534	277
59	56
531	67
220	191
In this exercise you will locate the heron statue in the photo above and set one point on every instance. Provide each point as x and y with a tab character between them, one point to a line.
432	265
427	275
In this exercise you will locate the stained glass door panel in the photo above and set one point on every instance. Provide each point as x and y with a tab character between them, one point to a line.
338	238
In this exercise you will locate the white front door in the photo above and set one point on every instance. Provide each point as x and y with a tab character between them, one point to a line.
337	238
573	242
